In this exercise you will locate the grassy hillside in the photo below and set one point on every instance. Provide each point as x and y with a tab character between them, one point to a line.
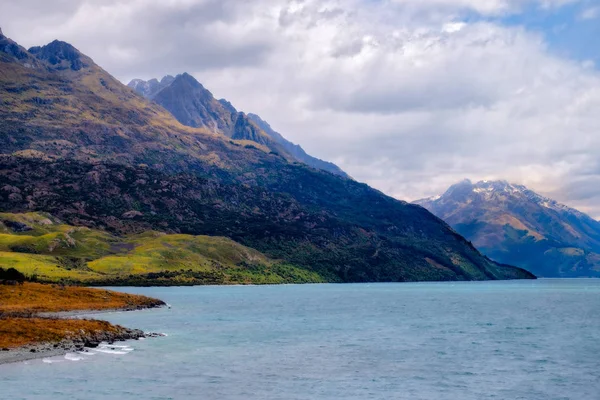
40	245
344	232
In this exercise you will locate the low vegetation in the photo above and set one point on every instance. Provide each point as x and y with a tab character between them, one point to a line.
21	306
47	250
33	298
15	332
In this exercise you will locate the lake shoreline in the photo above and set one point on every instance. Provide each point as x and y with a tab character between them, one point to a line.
82	345
38	321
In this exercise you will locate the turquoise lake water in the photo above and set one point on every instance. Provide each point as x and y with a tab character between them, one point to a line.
474	340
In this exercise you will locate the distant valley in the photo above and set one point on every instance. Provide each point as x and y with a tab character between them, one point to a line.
514	225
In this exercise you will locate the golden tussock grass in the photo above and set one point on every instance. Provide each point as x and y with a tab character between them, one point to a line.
36	298
15	332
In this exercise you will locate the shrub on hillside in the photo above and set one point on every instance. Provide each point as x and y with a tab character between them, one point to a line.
11	275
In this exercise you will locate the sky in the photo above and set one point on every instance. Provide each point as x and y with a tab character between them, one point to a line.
409	96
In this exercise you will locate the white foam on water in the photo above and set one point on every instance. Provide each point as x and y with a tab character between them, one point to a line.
108	351
73	357
113	349
51	361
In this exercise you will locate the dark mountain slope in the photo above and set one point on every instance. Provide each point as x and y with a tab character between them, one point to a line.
391	241
515	225
55	111
90	150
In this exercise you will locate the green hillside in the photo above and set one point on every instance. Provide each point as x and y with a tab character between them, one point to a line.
40	245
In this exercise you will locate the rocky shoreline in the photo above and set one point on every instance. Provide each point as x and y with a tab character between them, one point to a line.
39	321
80	343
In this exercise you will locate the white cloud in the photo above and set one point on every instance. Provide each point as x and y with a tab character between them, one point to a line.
590	13
402	94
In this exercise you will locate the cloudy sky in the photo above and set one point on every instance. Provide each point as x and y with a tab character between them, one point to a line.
409	96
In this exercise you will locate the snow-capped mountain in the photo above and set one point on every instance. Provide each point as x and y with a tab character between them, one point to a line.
512	224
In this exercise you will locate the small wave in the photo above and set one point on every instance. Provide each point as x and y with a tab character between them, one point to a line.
113	349
73	357
50	361
108	351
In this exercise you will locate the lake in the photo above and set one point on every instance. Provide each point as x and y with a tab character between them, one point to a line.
472	340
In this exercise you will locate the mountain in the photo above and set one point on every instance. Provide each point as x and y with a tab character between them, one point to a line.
512	224
295	150
195	106
81	146
150	88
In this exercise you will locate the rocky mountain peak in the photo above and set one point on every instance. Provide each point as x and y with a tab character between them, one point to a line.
14	52
167	80
459	190
194	105
61	55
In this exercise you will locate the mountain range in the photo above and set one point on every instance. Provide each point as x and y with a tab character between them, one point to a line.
194	106
90	151
512	224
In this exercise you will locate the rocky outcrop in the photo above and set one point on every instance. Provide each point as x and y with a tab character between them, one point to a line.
60	55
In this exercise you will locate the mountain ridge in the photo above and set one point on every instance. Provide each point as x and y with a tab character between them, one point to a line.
195	106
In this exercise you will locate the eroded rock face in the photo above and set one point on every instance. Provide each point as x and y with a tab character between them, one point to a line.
12	50
61	55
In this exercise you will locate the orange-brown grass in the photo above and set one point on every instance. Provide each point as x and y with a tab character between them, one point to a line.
36	298
15	332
